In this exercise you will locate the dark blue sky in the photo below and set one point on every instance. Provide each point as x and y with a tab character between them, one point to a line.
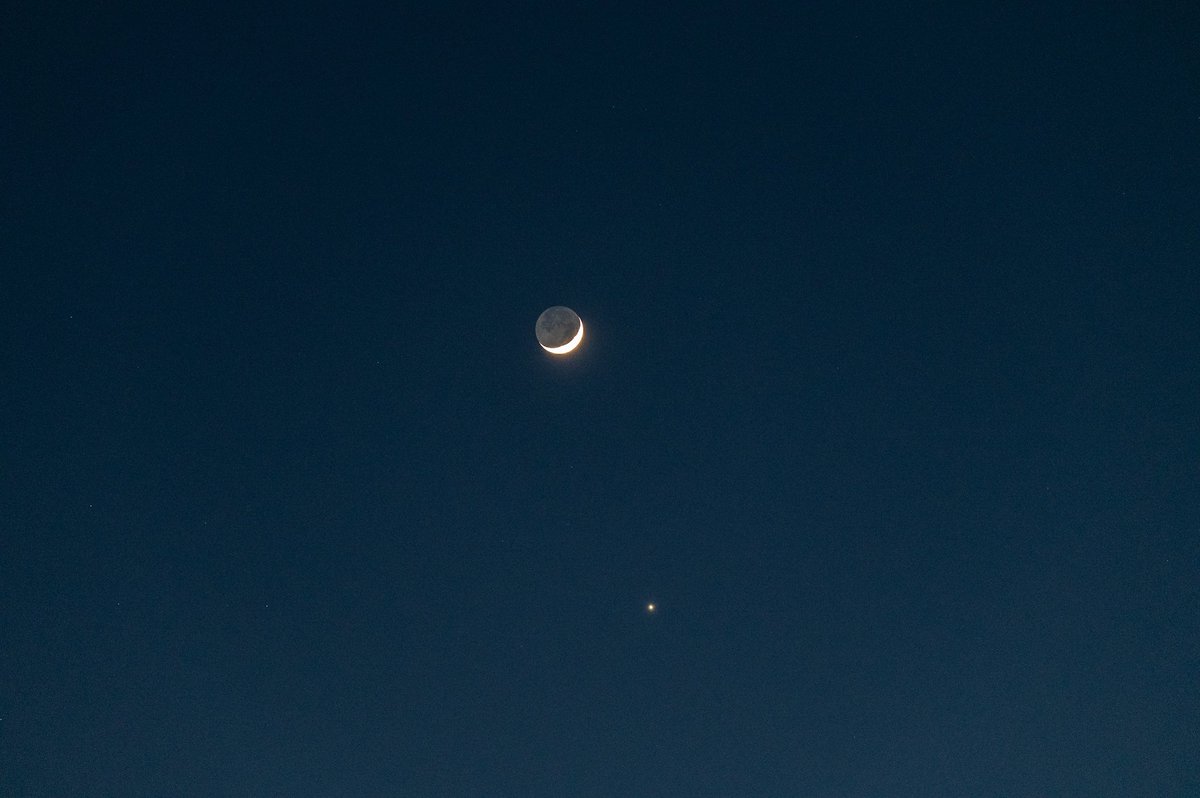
889	400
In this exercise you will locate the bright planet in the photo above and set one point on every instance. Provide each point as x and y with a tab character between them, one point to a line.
559	330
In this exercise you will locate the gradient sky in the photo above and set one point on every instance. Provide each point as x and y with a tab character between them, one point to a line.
890	400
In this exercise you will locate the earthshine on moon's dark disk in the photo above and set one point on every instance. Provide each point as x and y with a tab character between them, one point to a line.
559	330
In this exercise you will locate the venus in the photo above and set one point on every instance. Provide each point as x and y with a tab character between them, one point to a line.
559	330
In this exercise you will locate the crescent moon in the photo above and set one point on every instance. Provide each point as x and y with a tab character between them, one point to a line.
569	345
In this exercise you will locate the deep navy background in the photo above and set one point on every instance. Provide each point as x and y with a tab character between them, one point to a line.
890	399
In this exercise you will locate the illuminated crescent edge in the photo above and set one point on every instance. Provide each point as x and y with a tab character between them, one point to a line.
569	345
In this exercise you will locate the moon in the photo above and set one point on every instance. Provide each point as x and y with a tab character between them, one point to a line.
559	330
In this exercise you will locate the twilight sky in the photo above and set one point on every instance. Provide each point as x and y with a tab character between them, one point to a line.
889	400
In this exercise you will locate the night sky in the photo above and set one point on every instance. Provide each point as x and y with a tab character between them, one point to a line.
889	400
